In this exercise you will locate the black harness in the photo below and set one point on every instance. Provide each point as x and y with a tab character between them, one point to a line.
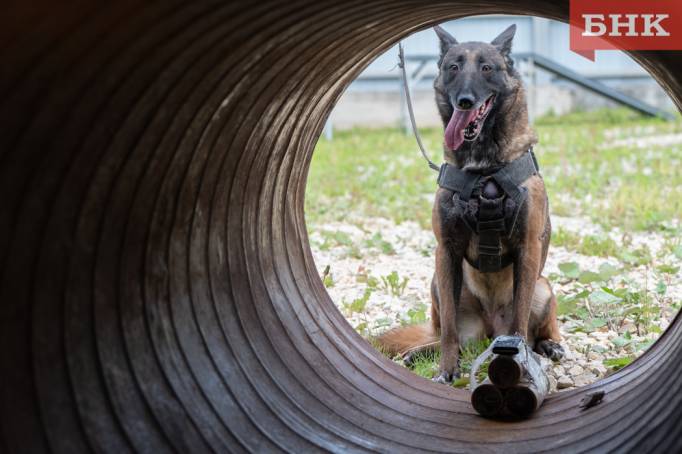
489	202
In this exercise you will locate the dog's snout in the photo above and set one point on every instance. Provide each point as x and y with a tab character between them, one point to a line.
465	101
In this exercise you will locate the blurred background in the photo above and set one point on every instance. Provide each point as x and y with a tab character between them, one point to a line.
610	146
554	76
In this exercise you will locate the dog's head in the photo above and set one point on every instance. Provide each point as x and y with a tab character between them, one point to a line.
473	80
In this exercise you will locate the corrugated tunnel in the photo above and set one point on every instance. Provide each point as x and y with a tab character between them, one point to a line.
157	290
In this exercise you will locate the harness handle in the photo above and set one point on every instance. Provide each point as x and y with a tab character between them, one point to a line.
401	64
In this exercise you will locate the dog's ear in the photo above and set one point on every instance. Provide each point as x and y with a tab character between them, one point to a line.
446	40
504	41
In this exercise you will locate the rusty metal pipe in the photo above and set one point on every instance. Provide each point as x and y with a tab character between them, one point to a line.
157	291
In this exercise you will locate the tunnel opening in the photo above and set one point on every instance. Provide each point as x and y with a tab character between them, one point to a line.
613	268
158	292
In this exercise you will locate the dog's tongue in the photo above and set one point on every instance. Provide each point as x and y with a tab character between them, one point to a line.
454	132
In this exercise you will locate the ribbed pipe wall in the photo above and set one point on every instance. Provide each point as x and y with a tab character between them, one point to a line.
157	292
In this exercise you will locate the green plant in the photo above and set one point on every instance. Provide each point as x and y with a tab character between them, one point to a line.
327	277
426	365
339	239
359	305
595	300
618	363
392	284
596	245
415	315
377	241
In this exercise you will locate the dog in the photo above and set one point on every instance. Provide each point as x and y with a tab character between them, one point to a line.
482	103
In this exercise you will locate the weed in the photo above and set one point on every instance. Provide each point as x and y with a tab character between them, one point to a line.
618	363
415	315
377	242
338	238
596	245
595	299
392	284
327	277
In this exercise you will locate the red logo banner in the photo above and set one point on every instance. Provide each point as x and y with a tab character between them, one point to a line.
625	25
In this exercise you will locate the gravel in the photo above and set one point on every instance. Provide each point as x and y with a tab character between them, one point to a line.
412	258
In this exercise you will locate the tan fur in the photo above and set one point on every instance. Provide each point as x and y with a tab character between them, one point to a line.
401	341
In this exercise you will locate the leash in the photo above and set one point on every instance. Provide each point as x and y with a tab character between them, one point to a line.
401	64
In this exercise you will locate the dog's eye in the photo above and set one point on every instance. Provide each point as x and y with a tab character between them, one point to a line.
454	67
486	68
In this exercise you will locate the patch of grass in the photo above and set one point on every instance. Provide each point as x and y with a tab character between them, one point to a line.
375	173
596	245
587	172
426	365
598	298
618	363
332	239
378	242
415	315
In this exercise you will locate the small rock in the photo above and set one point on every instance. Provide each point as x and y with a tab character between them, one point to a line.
593	356
597	369
564	382
575	370
584	379
552	383
558	370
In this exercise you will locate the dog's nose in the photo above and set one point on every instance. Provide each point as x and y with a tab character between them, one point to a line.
465	101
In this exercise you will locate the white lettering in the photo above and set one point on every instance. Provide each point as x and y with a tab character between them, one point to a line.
590	24
648	25
616	25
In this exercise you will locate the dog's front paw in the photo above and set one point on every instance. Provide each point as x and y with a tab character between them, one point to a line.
551	349
445	377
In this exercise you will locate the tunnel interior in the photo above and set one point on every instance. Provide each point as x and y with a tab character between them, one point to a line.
158	293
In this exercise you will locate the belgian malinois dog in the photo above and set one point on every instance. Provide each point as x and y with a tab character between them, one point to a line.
482	103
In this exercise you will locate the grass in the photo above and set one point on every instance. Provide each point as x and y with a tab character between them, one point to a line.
426	365
380	173
598	245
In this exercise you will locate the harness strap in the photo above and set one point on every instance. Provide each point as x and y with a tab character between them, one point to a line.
490	226
508	177
491	220
505	261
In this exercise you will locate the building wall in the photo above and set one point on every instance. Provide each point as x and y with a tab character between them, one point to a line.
374	99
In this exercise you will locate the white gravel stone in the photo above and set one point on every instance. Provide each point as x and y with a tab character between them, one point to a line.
564	382
552	383
575	370
593	355
584	379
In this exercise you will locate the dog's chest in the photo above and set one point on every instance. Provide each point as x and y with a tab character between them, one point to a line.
494	290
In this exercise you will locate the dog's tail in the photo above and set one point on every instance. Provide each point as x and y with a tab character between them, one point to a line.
408	339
